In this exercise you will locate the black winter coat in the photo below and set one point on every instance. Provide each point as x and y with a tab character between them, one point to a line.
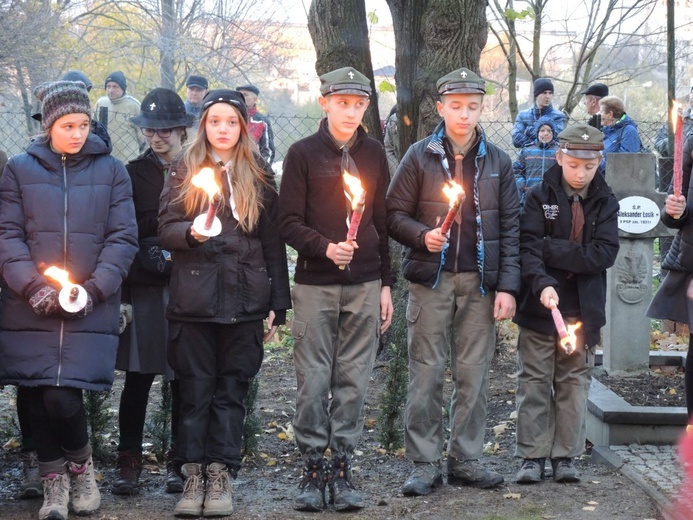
73	211
416	204
232	277
551	259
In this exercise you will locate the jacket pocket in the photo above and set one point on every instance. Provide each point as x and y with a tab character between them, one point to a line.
195	291
256	289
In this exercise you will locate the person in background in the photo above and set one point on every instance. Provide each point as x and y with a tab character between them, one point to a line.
127	141
533	160
568	239
391	141
620	130
524	129
65	202
661	143
462	282
674	298
222	288
196	89
258	124
142	348
592	95
341	293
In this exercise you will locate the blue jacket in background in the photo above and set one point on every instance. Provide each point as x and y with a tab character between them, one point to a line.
525	130
74	211
621	137
532	161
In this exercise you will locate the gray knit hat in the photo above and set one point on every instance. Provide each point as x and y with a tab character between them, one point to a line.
60	98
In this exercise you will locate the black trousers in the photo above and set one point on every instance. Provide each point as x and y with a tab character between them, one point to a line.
57	419
214	364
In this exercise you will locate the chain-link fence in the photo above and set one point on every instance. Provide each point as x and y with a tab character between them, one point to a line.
16	131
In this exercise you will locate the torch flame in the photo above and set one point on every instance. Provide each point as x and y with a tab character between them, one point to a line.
205	180
569	343
356	193
453	192
59	275
675	109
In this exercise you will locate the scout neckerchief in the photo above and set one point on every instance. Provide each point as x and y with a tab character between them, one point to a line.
226	168
347	165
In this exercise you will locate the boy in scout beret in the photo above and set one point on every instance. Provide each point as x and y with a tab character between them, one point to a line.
461	281
569	237
341	295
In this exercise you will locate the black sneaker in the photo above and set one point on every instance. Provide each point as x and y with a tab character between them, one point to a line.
342	492
312	487
564	470
531	472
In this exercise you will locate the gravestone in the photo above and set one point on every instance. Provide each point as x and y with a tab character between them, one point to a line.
626	338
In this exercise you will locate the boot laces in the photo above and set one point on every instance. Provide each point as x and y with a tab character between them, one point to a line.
55	492
217	484
192	487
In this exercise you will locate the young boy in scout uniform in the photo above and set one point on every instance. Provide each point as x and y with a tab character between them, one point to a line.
341	295
569	237
461	283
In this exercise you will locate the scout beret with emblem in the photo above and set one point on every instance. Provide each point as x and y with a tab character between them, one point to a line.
461	81
231	97
581	141
346	80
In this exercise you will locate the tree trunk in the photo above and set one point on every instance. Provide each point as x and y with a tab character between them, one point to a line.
168	41
432	38
339	31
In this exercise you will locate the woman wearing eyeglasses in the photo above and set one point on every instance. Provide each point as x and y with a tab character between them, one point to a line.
142	349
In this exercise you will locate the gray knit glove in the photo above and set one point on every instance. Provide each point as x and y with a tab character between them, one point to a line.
45	301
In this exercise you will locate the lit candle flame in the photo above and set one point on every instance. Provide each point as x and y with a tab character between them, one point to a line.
569	343
453	192
205	180
59	275
356	193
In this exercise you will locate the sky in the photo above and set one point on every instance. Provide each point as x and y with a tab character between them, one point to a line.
297	10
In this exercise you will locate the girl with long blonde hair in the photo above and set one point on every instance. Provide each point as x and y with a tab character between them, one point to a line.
222	288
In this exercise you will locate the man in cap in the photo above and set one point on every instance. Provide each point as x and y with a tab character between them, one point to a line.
564	263
142	346
524	129
259	125
341	295
592	95
196	89
462	281
114	111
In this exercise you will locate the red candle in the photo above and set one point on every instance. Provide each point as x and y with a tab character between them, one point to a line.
678	149
558	321
356	218
455	195
212	211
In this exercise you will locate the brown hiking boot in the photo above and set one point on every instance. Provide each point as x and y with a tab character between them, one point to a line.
218	498
190	504
31	486
129	468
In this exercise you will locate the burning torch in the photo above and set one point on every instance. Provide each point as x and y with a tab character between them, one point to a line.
207	224
72	297
567	335
455	194
357	195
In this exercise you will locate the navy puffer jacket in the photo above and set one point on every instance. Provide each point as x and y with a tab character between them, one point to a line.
73	211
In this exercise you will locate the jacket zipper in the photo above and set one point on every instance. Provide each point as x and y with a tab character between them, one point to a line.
62	322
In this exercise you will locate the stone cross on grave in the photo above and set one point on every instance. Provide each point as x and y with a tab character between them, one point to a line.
626	336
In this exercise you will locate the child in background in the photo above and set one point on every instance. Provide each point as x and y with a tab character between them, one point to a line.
66	202
534	159
221	290
568	239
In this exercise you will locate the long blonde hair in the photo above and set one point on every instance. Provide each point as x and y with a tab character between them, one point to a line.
247	178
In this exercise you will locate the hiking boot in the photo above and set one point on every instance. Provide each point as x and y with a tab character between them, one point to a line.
174	482
312	487
423	478
129	468
56	496
31	486
84	493
531	471
564	470
218	499
190	504
342	492
472	473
